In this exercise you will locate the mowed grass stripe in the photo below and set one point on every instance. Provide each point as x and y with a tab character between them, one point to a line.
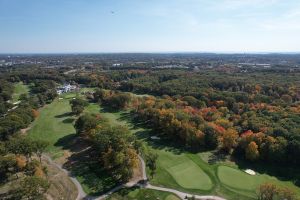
53	124
190	176
185	172
239	180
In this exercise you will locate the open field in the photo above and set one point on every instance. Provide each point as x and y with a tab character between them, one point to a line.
20	88
134	193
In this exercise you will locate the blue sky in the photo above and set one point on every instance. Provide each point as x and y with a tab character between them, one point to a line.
50	26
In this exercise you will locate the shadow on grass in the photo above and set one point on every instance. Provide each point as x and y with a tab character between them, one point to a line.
217	156
67	142
67	114
144	131
68	120
85	166
107	109
282	171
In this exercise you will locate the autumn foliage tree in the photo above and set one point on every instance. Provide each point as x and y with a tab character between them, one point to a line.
229	139
270	191
252	152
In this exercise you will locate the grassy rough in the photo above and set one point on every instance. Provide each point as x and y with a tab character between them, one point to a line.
141	194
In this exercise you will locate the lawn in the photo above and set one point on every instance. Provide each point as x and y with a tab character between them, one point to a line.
183	171
242	182
135	193
54	124
19	88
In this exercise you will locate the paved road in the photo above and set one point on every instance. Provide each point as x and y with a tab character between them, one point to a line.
83	195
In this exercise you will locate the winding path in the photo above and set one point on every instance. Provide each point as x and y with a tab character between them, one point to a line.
83	195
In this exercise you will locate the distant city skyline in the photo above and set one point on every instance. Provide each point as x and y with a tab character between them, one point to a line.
141	26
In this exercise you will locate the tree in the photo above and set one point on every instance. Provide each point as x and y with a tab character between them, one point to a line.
229	139
211	137
252	152
39	147
116	148
286	194
120	101
31	188
21	146
267	191
151	159
100	95
77	105
86	122
7	166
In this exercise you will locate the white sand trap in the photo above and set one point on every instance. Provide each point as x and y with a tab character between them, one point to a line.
250	171
155	138
60	98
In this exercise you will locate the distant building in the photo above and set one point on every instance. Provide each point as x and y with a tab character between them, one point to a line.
265	65
66	88
117	64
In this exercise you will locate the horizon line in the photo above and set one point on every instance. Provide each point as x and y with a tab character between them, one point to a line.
153	52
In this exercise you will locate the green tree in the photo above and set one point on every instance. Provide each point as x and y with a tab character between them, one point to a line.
211	137
31	188
39	147
86	122
77	105
151	159
21	146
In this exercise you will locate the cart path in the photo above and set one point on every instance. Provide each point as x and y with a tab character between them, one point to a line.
83	195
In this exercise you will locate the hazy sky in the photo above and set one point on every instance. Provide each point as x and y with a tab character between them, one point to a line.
45	26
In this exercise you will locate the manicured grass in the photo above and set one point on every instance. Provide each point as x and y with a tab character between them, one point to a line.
183	170
239	180
55	125
20	88
141	194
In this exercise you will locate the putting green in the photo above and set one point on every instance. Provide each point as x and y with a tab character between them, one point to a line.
185	172
240	180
